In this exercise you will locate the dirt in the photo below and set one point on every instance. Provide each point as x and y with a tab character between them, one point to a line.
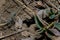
22	20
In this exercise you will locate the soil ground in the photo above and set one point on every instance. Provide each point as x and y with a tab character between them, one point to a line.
21	25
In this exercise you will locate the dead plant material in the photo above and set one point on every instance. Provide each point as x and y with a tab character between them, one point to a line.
34	13
9	21
14	33
50	4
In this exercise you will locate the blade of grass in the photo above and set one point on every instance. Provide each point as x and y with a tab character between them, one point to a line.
38	23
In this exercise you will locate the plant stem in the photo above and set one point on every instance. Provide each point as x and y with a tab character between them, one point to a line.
50	25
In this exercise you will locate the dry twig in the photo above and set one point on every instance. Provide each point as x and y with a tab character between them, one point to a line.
50	4
14	33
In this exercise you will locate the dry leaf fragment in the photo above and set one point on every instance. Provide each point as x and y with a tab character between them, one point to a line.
18	23
28	39
42	13
55	38
55	32
25	33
